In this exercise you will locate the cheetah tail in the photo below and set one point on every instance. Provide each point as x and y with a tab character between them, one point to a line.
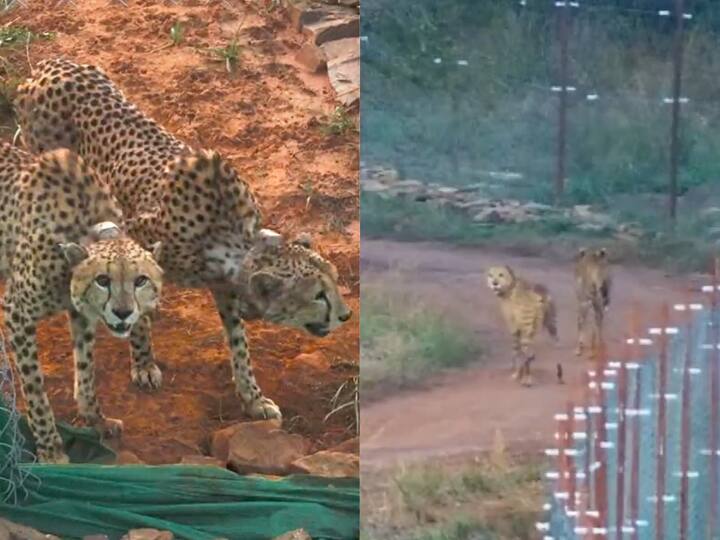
550	318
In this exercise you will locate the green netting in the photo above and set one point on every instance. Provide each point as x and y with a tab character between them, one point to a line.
194	503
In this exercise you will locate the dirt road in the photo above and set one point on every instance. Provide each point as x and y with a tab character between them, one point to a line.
464	411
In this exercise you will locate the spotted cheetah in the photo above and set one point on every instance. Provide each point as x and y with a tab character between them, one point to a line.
61	251
194	203
525	307
592	286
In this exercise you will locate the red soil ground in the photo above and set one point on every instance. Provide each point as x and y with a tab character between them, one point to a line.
266	117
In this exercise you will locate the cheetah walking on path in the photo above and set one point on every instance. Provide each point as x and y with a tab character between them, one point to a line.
525	307
194	203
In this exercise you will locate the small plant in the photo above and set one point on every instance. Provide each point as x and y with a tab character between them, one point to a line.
350	387
309	190
272	5
177	33
20	35
230	55
339	122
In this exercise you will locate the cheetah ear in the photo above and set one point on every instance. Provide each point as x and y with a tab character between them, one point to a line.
581	253
74	253
156	250
268	238
602	253
304	239
266	286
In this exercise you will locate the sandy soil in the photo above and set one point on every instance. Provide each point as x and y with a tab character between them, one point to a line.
266	118
464	412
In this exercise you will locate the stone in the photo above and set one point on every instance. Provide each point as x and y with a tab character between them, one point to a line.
315	359
351	446
96	537
330	464
311	57
148	534
328	23
298	534
343	66
202	460
373	185
258	447
13	531
126	457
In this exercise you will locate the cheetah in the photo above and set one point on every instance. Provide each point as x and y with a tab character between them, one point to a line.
525	307
592	286
61	250
193	202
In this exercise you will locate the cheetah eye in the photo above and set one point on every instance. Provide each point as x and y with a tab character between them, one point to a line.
103	280
140	281
320	296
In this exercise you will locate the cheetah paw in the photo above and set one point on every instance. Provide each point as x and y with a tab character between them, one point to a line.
147	377
263	409
53	456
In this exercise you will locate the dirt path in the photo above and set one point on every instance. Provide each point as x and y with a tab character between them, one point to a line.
266	117
463	411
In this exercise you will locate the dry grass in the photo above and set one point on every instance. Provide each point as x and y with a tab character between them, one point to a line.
494	497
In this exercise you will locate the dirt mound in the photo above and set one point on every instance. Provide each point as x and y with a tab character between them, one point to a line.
267	117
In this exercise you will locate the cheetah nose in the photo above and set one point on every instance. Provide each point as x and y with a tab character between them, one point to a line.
122	314
345	316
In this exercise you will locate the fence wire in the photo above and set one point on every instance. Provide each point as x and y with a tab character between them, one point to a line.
13	477
639	459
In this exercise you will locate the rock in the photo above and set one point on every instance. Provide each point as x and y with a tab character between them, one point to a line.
148	534
303	12
258	447
311	57
330	23
343	65
13	531
373	185
351	446
96	537
299	534
202	460
315	359
125	457
331	464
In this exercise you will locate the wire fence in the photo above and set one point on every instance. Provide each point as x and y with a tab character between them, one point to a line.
13	477
639	458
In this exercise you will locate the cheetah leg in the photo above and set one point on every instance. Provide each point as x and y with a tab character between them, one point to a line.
582	322
83	334
517	362
144	372
23	337
256	405
529	356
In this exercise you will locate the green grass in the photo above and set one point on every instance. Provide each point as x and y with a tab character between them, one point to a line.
229	55
11	36
177	33
338	123
447	124
404	339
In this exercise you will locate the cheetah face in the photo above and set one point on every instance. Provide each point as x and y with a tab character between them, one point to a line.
296	287
500	279
115	281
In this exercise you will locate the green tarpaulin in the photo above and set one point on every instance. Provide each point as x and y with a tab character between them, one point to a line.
193	502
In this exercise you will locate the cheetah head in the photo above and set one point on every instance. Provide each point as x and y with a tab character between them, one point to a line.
500	279
114	280
289	283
